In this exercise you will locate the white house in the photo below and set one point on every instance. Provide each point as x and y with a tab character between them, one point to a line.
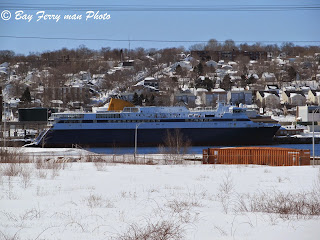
294	98
268	99
314	97
211	98
239	95
186	97
268	77
306	113
212	63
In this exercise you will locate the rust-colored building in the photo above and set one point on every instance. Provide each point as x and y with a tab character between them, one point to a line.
272	156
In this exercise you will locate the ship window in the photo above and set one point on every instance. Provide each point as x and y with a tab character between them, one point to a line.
87	121
103	121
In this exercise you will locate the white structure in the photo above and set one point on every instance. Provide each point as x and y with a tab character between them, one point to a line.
268	99
314	97
294	98
211	98
239	95
268	77
305	113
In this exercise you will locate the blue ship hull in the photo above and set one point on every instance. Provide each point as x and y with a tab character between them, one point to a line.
156	137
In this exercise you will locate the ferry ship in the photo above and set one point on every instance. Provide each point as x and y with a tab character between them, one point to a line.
150	126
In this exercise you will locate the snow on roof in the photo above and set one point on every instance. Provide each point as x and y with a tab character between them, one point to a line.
218	90
254	75
141	83
268	75
237	89
305	88
212	63
272	87
232	63
5	64
293	94
226	66
149	78
290	88
201	90
266	94
56	101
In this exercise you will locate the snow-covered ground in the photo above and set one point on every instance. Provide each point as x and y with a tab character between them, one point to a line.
85	200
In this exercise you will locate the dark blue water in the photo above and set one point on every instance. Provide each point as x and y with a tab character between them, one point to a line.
192	150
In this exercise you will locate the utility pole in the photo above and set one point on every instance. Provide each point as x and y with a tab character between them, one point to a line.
136	140
313	112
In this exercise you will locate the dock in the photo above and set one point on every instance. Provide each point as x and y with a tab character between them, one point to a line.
17	134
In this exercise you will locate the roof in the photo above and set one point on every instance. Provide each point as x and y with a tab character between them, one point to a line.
218	90
293	93
268	93
272	86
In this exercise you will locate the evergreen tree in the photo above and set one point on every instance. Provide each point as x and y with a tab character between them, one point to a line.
292	73
147	101
226	83
200	69
26	97
135	99
152	100
179	70
208	84
141	98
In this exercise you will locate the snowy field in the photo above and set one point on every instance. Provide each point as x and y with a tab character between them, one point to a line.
94	200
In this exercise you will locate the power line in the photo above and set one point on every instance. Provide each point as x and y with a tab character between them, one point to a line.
152	40
160	8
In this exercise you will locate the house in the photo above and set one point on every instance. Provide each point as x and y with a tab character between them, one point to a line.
185	64
294	98
268	77
268	99
272	88
308	113
216	95
185	97
239	95
56	104
128	96
212	63
149	83
314	97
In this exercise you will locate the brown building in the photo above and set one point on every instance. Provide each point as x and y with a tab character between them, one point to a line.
68	94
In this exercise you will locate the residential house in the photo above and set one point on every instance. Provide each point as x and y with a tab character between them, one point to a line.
212	63
149	83
314	97
294	98
239	95
268	77
216	95
185	97
272	88
308	113
268	99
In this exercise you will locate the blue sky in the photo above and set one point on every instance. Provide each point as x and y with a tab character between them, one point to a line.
295	25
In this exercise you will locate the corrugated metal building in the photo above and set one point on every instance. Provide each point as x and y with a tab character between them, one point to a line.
271	156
